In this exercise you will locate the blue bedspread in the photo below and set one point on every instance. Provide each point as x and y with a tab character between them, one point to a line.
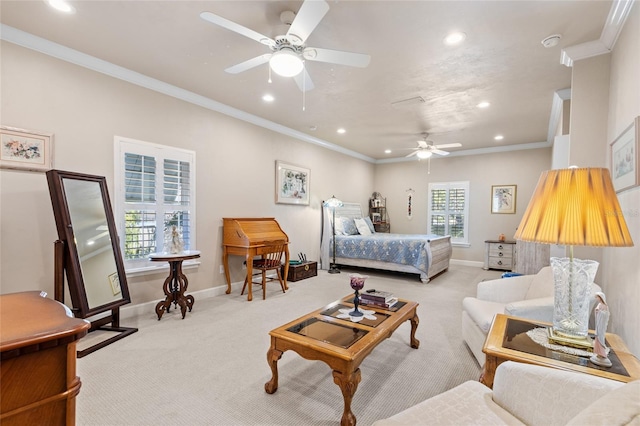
404	249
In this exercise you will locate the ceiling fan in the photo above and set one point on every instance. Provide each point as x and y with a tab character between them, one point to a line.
426	148
289	51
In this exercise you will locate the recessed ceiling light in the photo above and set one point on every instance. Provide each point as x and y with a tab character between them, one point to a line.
499	137
341	130
387	151
483	104
268	98
61	5
454	38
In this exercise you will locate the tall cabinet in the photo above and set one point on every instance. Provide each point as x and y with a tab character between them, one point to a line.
378	213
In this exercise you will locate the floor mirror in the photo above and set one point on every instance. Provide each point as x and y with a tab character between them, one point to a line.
88	254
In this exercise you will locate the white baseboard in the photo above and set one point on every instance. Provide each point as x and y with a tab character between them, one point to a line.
148	308
466	262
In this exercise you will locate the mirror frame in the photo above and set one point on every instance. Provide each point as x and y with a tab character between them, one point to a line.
68	260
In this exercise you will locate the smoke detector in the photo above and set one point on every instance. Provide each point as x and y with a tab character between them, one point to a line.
551	41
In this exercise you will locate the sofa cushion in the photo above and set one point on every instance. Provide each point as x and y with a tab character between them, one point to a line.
468	403
482	311
542	284
621	406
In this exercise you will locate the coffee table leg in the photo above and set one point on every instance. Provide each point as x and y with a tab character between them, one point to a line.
273	355
348	385
415	343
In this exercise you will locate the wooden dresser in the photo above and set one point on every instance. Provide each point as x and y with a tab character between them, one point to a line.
499	255
38	363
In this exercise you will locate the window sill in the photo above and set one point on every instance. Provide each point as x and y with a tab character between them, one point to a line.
138	271
466	245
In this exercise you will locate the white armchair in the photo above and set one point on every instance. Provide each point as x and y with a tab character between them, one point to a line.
525	296
526	394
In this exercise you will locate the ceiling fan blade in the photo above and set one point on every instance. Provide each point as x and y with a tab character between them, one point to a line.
307	19
303	80
251	63
437	151
412	154
359	60
448	145
237	28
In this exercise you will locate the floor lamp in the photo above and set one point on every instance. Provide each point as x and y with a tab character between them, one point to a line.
574	207
333	203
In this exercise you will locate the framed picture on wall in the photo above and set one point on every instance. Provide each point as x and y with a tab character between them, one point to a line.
292	184
625	158
25	149
503	199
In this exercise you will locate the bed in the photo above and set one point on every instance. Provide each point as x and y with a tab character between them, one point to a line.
426	255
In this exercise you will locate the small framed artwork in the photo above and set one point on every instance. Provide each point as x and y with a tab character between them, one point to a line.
625	158
25	150
114	280
292	184
376	218
503	199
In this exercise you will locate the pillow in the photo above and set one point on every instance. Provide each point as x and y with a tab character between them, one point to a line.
339	229
367	219
621	406
348	226
362	226
542	284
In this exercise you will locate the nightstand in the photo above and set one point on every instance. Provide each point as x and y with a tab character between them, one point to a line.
499	255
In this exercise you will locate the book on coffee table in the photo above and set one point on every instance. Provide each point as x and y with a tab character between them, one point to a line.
388	304
378	296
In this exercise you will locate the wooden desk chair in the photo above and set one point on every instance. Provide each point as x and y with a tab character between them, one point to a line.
271	260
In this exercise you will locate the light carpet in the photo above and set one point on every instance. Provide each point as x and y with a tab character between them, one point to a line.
211	367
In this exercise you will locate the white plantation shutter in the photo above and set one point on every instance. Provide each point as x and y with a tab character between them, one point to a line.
449	210
154	190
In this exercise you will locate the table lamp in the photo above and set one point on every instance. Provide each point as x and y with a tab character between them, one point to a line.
574	206
333	203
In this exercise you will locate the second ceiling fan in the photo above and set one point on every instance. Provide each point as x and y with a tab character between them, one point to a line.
289	51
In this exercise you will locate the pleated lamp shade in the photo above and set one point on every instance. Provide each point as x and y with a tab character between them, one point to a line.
575	206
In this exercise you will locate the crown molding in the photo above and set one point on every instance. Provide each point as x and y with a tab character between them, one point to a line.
47	47
613	26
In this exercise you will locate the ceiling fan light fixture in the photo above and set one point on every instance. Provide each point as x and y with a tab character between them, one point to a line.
286	63
423	154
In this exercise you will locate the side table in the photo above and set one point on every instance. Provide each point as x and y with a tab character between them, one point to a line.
176	283
508	341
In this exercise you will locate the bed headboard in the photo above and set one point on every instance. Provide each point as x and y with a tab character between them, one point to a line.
352	210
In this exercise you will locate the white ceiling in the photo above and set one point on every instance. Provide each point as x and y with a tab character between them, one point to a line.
502	61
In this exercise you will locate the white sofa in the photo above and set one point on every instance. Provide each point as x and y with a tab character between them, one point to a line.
526	394
525	296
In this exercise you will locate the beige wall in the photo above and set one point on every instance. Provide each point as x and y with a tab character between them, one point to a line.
235	167
621	269
521	168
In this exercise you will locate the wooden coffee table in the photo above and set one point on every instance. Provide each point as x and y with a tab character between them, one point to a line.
340	343
508	341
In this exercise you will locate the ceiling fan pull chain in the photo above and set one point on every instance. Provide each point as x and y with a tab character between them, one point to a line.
269	75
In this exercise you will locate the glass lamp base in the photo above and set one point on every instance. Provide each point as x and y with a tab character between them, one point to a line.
573	279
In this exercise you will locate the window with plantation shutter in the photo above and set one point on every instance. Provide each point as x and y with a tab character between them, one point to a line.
448	210
155	190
